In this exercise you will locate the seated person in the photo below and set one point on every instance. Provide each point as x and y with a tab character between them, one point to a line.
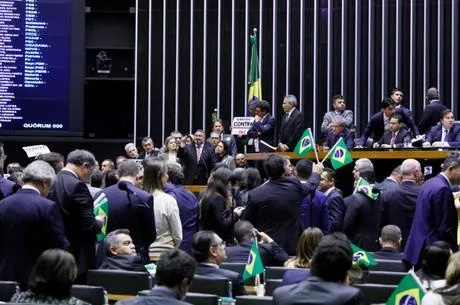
338	130
445	134
339	104
328	281
270	253
434	264
390	241
395	136
121	252
209	252
175	270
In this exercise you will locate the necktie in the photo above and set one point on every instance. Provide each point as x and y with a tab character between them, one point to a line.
393	138
199	149
286	118
444	135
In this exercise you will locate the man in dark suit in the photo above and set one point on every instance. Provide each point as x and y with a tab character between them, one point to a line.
291	127
209	253
436	216
29	224
175	270
391	181
445	134
198	160
398	202
7	187
263	127
397	96
274	206
270	253
327	282
131	208
334	200
432	111
395	136
390	241
338	130
76	205
121	252
380	121
149	149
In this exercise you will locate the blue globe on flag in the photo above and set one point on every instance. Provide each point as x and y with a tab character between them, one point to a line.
306	142
339	153
408	299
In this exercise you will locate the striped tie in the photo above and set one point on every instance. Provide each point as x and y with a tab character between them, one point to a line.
199	150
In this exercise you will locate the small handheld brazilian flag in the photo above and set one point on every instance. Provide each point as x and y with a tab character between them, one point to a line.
101	208
254	265
364	187
361	257
409	291
305	143
340	155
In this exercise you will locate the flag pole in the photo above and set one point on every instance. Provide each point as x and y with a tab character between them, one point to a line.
314	145
330	150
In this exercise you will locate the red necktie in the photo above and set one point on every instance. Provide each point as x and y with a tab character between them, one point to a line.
393	138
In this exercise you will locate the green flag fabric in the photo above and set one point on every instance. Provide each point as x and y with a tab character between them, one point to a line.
305	143
255	84
361	257
364	187
409	291
101	208
254	265
340	155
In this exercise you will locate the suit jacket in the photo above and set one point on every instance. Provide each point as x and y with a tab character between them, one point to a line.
336	209
132	212
29	225
188	212
314	211
270	253
157	296
263	130
76	206
362	220
376	127
216	217
292	129
194	172
154	153
328	116
453	137
315	290
399	139
431	116
435	219
123	262
346	134
398	207
387	184
7	187
407	111
295	276
388	253
274	208
218	273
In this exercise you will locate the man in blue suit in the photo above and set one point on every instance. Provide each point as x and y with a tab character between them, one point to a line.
436	216
7	187
334	200
29	224
131	208
432	111
445	134
291	127
263	127
397	96
395	136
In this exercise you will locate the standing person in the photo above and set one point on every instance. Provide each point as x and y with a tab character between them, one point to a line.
291	127
170	150
222	155
76	204
263	127
339	105
149	149
218	128
29	224
7	187
432	111
397	96
436	216
334	199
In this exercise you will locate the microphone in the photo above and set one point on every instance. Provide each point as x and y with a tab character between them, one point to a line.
122	185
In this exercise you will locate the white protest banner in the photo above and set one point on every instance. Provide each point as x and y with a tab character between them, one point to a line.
35	150
241	125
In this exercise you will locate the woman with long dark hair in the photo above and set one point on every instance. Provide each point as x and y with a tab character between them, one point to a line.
223	156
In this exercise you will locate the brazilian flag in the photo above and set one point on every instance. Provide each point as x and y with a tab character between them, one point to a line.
340	155
361	257
101	208
409	291
255	84
254	265
305	143
364	187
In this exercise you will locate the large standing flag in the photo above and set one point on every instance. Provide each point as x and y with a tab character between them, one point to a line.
305	144
361	257
364	187
101	208
409	291
255	84
254	265
340	155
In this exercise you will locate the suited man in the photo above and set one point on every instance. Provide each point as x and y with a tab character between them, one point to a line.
198	159
131	208
390	241
121	252
29	224
436	216
334	200
149	149
432	112
291	127
445	134
270	252
327	282
209	252
397	96
337	131
175	270
339	104
263	127
395	135
7	187
76	205
391	181
274	206
399	201
380	121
